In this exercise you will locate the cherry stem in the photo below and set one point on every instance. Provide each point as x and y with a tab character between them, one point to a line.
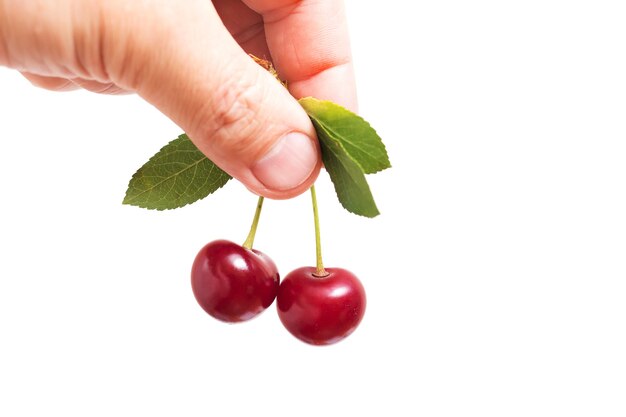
255	222
320	271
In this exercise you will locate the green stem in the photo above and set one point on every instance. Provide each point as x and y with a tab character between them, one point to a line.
255	222
320	271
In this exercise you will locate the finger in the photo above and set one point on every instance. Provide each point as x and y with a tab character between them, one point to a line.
245	25
50	83
310	47
232	109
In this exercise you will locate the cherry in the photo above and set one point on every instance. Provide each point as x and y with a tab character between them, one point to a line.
321	310
233	283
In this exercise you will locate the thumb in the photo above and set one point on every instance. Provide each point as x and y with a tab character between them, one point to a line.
233	110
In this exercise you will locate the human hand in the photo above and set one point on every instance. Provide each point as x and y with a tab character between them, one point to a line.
189	59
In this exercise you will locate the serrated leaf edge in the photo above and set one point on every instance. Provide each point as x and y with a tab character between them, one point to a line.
328	130
127	201
332	179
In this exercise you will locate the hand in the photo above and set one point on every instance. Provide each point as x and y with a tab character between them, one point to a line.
189	59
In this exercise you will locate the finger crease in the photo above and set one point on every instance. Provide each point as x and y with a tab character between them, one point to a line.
320	68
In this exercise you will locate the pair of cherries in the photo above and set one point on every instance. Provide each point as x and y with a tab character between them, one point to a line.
234	283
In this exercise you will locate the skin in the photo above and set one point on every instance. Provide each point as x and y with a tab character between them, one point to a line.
189	59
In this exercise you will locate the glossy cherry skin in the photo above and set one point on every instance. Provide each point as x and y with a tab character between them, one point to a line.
321	310
233	283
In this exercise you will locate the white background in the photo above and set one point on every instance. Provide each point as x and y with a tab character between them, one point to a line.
495	274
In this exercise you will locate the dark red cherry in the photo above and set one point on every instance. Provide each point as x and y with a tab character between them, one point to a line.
233	283
321	310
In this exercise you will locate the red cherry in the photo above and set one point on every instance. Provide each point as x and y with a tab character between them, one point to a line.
233	283
321	310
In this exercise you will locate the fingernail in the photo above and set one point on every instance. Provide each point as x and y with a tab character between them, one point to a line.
288	163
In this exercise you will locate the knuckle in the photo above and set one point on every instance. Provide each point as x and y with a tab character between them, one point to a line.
235	105
237	119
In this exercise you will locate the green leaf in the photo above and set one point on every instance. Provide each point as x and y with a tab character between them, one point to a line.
350	185
177	175
357	138
350	149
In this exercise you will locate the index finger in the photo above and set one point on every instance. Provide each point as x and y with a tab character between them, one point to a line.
310	47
